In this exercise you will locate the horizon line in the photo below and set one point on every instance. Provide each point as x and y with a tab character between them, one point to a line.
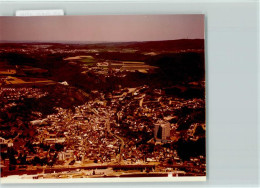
93	42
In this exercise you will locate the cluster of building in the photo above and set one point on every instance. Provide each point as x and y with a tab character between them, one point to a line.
96	132
19	93
192	132
39	48
85	134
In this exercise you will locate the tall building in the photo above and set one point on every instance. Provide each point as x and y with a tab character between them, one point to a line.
165	131
162	130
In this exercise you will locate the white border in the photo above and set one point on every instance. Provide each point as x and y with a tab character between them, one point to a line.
135	1
105	180
52	12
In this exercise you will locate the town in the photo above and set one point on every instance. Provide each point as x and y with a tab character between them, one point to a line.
52	128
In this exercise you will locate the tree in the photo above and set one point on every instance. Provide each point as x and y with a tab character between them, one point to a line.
59	147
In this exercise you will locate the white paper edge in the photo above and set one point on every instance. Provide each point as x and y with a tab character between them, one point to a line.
105	180
51	12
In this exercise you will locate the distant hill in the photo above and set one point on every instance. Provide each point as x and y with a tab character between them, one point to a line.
181	44
177	61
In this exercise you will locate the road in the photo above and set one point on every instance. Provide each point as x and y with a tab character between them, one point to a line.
118	137
107	126
112	134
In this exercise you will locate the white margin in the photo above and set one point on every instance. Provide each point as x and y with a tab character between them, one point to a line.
106	180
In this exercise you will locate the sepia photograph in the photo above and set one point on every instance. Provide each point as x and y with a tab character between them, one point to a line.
102	96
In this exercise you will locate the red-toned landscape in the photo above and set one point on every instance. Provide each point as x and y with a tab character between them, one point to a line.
123	109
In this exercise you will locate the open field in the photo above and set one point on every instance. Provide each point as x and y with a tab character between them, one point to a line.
11	80
7	71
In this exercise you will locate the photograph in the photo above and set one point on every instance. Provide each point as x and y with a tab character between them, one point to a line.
102	96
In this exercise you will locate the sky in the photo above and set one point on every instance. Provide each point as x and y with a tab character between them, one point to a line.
112	28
